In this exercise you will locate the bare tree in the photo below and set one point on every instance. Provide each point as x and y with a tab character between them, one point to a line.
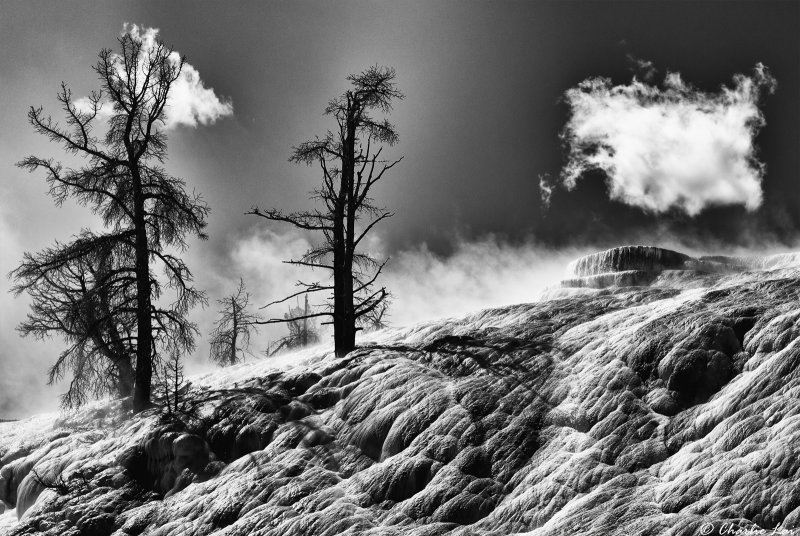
173	384
230	339
77	483
123	180
85	292
351	162
377	318
302	330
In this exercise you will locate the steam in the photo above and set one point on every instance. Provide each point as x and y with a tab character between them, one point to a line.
669	147
424	285
258	259
478	275
23	362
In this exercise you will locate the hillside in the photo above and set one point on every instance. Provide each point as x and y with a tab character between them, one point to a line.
653	393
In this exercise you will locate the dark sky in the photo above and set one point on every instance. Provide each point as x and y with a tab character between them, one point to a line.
483	80
706	42
484	84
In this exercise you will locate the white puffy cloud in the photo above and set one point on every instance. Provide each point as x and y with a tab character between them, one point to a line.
190	102
672	146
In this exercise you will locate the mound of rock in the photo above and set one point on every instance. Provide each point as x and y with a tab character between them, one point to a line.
651	409
627	266
628	258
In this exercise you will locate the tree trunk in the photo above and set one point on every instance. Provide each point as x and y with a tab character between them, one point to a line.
235	331
340	341
305	324
177	384
126	377
344	329
112	348
118	353
144	335
348	335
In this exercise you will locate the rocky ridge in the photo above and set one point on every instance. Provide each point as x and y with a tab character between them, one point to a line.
654	393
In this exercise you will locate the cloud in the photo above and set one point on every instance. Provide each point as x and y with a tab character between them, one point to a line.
190	103
672	146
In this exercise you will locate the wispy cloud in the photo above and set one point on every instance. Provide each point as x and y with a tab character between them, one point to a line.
546	187
644	69
672	146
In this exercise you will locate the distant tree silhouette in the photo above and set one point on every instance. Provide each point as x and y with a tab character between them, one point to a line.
123	181
302	330
230	339
351	164
173	384
377	318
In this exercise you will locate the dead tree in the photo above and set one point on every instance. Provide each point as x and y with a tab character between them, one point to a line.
377	318
84	292
230	339
302	330
304	334
350	159
173	384
123	180
78	483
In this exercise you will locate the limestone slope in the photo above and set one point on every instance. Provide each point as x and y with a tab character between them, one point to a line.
603	409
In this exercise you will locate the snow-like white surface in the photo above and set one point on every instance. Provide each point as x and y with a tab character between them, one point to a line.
8	520
636	410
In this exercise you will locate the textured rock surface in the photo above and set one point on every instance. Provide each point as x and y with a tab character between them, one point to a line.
623	410
627	258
